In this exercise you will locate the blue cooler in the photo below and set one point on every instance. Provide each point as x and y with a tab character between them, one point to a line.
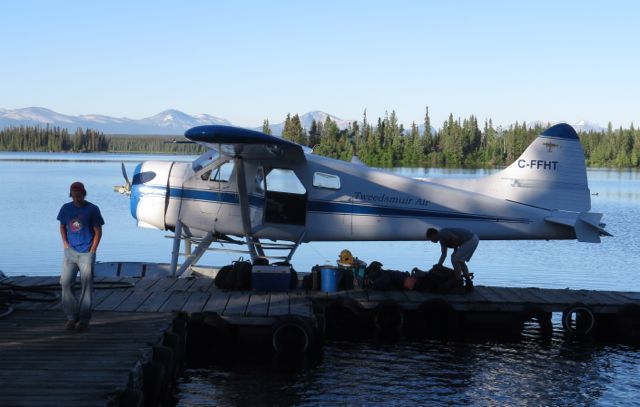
271	278
328	279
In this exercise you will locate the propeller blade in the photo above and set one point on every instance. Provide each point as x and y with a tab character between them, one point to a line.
124	174
123	189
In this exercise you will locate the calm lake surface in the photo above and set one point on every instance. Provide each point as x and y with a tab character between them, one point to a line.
530	372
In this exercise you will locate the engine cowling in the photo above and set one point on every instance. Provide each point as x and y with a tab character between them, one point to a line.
150	193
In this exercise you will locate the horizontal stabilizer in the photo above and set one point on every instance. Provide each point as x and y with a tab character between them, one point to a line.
586	225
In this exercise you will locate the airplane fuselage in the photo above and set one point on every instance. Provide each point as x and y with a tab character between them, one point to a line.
323	200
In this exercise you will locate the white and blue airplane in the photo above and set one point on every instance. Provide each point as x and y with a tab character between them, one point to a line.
258	187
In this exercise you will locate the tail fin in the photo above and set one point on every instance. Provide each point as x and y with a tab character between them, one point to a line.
550	174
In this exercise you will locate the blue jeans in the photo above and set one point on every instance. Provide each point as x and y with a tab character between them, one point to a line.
77	309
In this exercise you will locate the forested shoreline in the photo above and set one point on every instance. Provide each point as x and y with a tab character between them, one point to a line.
384	143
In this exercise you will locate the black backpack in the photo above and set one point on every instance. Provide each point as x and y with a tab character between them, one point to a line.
235	276
437	280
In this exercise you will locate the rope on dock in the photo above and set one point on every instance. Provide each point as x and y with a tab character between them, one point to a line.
14	293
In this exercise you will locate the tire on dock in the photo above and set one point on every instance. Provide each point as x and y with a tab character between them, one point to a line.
578	319
291	336
437	319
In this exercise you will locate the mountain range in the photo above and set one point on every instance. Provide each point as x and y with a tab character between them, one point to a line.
169	122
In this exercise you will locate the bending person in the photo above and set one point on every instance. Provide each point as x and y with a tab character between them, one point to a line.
463	242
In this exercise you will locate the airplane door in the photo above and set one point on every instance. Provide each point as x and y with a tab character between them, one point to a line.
256	199
216	188
285	198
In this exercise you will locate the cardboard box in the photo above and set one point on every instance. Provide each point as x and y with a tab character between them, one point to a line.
271	278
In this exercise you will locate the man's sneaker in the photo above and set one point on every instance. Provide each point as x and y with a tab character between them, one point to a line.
82	326
70	325
468	286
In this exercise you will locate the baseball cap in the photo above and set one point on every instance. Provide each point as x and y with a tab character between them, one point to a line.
77	186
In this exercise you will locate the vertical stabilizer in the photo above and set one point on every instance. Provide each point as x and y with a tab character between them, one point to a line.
551	173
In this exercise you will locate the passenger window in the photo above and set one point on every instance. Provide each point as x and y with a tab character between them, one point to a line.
223	172
328	181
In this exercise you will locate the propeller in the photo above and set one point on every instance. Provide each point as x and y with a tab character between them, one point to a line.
124	189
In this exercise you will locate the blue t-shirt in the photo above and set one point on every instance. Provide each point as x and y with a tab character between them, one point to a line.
80	222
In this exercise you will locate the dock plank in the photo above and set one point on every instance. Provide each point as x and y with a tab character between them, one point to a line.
43	364
279	304
258	305
145	283
183	284
217	302
196	302
237	304
154	301
176	301
300	306
112	302
202	284
134	300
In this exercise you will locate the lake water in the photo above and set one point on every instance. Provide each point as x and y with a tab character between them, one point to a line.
530	372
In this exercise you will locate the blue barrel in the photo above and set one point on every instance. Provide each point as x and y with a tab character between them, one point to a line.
328	279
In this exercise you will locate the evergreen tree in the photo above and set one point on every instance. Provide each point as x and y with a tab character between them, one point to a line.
314	134
293	130
266	129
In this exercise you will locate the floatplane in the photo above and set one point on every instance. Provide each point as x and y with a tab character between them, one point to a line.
267	193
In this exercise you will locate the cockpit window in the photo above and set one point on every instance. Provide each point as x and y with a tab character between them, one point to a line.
204	160
223	172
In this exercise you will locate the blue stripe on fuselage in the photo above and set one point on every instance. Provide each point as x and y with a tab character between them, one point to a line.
372	210
337	208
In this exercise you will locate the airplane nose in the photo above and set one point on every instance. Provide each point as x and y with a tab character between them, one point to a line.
149	192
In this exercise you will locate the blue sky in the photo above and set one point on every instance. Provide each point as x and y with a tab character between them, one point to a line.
248	61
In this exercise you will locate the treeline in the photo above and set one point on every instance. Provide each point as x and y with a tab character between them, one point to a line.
55	139
384	143
36	138
458	143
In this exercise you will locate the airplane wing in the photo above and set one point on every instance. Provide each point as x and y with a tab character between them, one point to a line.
248	144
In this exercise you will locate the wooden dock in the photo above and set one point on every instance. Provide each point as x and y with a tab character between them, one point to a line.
41	363
196	295
192	295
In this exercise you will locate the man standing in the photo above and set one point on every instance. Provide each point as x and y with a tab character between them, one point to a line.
463	242
81	231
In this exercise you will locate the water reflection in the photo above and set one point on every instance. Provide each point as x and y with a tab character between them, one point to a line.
429	373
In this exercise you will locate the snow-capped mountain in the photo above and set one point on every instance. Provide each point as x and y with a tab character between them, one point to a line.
307	119
168	122
176	119
174	122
